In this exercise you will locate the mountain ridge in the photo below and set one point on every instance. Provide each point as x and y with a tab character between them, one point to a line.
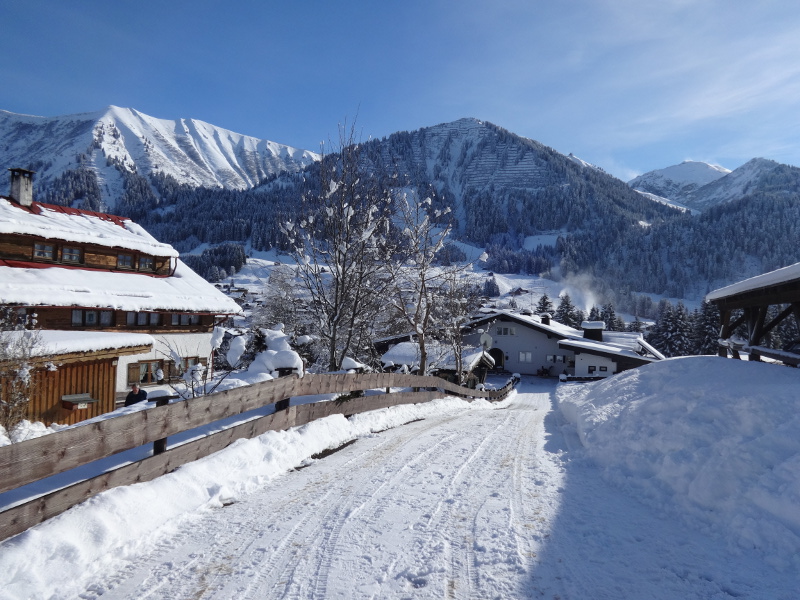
112	141
701	186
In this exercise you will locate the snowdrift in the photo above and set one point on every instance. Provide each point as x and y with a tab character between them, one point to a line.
708	440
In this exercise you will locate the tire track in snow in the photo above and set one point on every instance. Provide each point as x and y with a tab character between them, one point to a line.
402	512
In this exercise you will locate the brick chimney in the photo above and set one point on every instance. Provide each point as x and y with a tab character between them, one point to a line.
545	317
22	186
593	330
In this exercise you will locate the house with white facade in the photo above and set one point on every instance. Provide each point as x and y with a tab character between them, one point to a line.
86	272
538	345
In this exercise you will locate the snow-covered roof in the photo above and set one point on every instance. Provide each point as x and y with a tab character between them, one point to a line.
79	226
66	342
440	356
185	291
776	277
603	348
554	327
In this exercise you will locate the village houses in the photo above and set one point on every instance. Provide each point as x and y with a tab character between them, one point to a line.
114	306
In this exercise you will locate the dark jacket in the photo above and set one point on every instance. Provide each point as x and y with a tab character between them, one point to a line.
134	397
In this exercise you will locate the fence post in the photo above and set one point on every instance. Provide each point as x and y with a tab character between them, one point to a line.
160	446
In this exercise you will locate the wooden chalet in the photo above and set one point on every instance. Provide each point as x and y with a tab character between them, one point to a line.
747	303
87	272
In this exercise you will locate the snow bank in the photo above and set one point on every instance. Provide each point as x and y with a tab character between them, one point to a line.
27	430
708	440
56	558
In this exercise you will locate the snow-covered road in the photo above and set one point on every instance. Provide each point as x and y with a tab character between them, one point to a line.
476	504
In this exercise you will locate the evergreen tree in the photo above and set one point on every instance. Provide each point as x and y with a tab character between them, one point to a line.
594	314
635	326
545	305
609	316
567	314
659	332
672	334
490	288
706	329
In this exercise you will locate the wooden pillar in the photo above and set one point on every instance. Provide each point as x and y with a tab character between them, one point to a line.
160	446
724	332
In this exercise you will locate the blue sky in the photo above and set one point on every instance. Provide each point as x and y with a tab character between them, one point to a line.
630	85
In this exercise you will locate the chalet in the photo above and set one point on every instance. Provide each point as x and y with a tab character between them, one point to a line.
538	345
747	303
82	271
405	356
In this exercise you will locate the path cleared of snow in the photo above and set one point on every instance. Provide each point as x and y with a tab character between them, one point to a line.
461	501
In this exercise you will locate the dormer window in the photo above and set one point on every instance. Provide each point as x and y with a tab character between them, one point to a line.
146	263
124	261
43	251
71	254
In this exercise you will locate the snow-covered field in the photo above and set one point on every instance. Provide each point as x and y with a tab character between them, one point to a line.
677	480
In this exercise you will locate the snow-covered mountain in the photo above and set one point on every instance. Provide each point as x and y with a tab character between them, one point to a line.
117	141
678	182
734	185
699	186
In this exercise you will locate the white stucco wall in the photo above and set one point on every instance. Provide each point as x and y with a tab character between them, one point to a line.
584	360
526	339
185	344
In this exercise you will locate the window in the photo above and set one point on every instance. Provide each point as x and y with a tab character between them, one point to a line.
551	358
71	254
124	261
506	331
146	263
560	358
143	319
44	251
526	357
592	368
91	318
23	318
604	369
175	371
145	372
184	319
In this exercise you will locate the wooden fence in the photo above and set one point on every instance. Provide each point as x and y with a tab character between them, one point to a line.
29	461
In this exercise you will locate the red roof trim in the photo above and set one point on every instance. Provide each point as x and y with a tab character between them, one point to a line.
25	264
38	207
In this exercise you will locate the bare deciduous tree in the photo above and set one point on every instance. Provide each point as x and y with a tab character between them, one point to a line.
18	345
424	293
339	244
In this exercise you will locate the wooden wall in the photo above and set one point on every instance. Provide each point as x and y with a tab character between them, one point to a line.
20	247
53	317
97	378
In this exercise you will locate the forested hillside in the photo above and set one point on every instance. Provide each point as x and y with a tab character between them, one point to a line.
502	188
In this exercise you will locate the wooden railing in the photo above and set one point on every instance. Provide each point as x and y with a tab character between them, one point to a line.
29	461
